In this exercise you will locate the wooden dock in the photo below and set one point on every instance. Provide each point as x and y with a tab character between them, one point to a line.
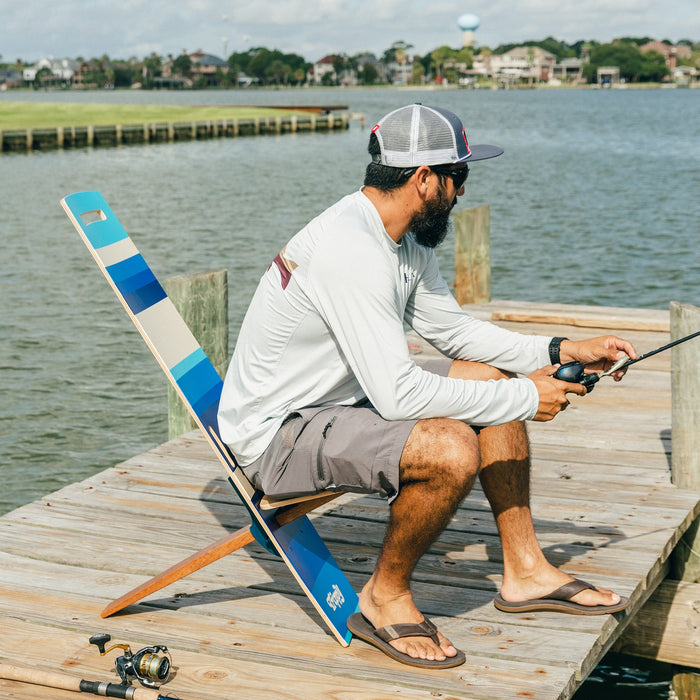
167	132
604	509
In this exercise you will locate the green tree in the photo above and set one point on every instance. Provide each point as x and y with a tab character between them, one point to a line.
465	55
278	72
42	76
368	74
123	75
417	73
653	68
439	56
258	62
627	57
182	65
152	68
398	47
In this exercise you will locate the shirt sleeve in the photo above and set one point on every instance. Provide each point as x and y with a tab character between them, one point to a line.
434	314
356	296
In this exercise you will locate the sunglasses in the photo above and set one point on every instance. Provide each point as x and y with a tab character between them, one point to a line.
459	175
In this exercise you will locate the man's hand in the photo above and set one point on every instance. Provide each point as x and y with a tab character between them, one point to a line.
552	392
598	354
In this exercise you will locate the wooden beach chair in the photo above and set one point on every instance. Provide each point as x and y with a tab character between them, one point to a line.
280	526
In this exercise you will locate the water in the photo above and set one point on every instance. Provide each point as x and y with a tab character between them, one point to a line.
595	201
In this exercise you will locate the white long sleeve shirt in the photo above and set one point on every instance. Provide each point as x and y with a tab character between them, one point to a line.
326	326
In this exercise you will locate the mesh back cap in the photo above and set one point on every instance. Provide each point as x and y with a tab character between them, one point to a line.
420	135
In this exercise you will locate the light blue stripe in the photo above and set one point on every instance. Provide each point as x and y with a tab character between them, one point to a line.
188	363
103	231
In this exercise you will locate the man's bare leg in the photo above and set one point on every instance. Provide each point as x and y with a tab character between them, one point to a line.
438	466
505	478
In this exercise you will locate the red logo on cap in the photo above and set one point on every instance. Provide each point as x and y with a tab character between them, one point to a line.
466	143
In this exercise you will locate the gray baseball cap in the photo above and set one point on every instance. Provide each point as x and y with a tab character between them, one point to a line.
420	135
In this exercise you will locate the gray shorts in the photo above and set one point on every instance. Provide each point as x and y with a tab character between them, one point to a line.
336	448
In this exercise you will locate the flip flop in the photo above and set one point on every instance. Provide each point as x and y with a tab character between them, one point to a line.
560	601
361	627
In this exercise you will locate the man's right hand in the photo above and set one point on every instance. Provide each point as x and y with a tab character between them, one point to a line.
552	392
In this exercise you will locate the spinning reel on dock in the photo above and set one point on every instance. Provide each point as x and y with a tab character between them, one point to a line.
151	666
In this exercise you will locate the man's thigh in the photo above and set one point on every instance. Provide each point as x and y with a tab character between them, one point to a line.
344	448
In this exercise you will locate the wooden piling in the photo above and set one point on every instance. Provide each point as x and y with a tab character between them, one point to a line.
685	385
202	300
668	626
685	429
685	460
472	255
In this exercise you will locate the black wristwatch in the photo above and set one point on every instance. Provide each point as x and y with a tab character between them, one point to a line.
554	346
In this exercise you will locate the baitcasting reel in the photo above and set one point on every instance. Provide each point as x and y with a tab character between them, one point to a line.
151	665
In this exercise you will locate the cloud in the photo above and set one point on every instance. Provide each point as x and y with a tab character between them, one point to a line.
313	28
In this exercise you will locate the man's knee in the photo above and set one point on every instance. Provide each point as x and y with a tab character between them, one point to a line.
441	449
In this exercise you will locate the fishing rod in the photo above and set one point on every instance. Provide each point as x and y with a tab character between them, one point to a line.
65	681
151	666
574	371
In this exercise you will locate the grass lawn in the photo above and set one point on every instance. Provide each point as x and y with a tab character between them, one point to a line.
47	115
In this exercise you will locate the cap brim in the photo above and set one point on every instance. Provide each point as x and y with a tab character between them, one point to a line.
482	152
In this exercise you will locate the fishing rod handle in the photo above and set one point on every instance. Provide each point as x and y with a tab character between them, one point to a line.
65	681
119	690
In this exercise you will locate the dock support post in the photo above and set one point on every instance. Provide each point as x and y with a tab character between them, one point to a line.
685	428
202	300
685	457
472	256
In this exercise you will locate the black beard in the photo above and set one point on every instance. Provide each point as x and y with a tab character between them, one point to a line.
431	223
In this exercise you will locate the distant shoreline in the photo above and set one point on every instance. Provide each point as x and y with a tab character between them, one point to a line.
52	115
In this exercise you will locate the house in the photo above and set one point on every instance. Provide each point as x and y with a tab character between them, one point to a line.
670	53
368	58
568	70
207	66
90	74
322	68
685	75
60	71
10	78
529	64
538	61
401	71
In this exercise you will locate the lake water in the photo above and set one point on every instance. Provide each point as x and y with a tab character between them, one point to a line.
595	201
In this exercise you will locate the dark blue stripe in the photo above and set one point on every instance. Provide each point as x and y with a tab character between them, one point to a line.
131	284
127	268
145	297
203	406
209	416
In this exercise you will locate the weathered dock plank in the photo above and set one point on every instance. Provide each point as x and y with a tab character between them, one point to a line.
603	504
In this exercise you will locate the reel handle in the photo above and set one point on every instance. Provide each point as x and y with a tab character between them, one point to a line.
99	640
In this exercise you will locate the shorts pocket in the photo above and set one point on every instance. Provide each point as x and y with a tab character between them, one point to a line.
321	476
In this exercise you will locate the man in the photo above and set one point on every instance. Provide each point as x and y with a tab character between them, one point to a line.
323	394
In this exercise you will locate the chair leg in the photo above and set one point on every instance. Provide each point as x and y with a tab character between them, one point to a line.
226	545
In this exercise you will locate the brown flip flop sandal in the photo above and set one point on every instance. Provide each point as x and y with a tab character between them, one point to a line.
560	601
361	627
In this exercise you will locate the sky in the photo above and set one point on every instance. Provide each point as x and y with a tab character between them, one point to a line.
315	28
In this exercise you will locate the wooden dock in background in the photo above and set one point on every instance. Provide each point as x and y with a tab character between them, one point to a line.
169	132
604	508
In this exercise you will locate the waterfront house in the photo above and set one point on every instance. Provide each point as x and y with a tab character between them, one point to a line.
56	72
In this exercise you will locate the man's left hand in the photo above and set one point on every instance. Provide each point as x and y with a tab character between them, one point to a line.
598	354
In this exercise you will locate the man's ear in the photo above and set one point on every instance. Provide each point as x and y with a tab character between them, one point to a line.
421	177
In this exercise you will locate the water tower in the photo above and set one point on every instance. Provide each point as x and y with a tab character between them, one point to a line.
468	23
